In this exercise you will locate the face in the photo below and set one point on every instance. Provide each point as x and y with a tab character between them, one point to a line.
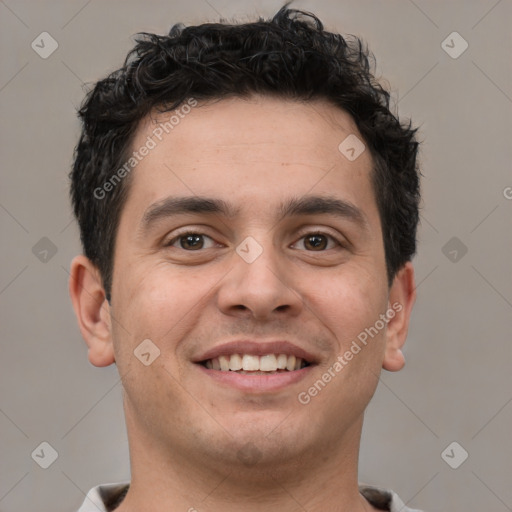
247	232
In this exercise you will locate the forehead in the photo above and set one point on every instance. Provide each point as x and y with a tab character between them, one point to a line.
312	129
252	150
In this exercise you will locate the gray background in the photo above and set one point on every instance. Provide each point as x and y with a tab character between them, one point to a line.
456	385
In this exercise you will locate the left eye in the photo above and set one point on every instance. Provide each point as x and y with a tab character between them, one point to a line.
318	241
190	241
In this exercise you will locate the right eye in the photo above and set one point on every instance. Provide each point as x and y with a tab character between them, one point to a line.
189	241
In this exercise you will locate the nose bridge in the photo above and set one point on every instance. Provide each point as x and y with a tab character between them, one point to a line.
258	261
258	281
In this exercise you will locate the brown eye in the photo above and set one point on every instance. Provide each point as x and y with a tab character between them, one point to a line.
315	242
319	242
193	242
190	241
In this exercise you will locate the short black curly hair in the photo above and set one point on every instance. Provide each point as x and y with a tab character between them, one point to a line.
290	56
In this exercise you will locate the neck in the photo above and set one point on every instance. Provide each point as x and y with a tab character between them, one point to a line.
170	480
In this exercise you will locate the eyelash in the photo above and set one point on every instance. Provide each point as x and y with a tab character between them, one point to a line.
338	244
183	235
176	238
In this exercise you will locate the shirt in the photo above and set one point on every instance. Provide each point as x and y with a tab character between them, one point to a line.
106	497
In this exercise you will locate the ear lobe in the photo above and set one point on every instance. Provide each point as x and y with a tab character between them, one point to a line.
92	310
402	296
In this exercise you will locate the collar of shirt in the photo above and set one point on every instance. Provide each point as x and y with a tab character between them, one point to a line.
106	497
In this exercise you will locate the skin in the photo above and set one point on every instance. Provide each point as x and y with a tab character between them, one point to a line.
197	444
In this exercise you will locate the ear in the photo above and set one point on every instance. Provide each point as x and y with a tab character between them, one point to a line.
92	310
402	296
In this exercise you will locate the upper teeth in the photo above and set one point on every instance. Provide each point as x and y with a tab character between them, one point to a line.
248	362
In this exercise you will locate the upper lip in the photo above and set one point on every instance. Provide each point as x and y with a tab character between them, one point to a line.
256	348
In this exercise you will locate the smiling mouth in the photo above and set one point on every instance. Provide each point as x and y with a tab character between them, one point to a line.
256	365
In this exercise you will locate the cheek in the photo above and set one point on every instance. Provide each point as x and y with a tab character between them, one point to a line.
349	308
159	303
348	303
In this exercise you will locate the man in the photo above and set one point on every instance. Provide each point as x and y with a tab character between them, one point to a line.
248	208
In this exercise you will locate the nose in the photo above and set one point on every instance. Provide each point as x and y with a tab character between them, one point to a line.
262	288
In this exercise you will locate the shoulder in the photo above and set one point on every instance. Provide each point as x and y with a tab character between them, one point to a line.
104	497
384	499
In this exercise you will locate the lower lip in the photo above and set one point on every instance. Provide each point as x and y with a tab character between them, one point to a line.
257	383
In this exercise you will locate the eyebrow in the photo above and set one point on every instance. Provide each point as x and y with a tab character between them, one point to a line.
172	206
305	205
317	205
